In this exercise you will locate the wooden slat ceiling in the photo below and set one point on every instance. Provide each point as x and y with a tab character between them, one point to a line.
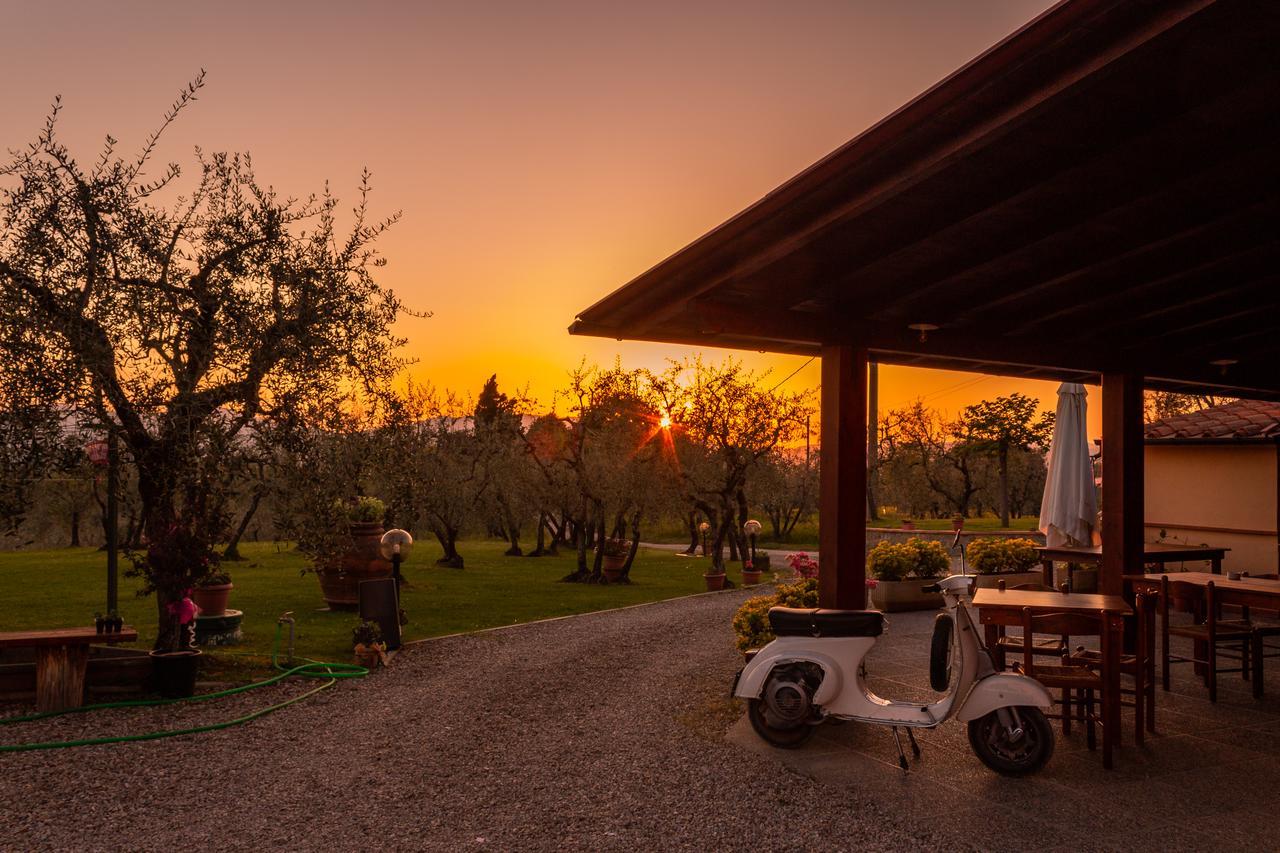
1097	192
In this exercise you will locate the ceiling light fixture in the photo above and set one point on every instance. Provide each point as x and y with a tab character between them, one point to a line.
1223	363
924	329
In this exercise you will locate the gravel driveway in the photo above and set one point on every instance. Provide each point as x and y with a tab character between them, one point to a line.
602	731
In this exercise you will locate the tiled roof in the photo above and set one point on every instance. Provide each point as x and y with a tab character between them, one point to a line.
1243	419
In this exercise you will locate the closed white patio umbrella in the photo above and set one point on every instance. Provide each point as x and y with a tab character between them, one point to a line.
1070	504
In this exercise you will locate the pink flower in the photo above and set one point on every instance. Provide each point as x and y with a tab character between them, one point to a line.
185	610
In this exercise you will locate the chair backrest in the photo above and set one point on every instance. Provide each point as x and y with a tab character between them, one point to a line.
1074	623
1201	601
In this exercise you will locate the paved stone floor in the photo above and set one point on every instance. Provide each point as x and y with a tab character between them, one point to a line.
1207	780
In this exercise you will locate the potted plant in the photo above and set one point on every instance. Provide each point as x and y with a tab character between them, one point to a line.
957	522
211	593
355	557
174	669
367	644
1013	560
750	574
908	524
751	622
614	552
714	580
899	570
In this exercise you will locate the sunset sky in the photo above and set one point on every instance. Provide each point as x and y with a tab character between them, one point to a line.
543	153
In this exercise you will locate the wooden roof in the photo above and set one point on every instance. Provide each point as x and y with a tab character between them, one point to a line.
1096	192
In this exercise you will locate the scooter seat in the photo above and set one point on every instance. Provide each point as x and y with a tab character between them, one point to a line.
814	622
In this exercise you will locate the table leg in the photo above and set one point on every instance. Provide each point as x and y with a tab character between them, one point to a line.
60	672
1111	693
992	635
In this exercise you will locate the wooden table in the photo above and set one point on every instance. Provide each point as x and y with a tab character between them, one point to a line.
997	608
1249	592
62	658
1152	552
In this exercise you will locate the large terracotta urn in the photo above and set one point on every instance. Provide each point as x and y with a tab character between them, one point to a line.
340	579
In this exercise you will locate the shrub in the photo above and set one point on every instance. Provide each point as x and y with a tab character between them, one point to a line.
751	622
214	579
366	634
916	558
366	510
997	554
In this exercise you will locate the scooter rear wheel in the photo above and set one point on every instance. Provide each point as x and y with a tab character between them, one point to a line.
1022	756
787	738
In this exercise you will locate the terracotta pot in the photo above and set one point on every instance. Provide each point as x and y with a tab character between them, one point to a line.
1011	579
611	573
908	525
750	577
340	580
368	656
957	524
714	582
904	595
614	564
212	600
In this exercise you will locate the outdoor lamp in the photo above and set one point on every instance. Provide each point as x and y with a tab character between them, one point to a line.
704	527
752	529
395	546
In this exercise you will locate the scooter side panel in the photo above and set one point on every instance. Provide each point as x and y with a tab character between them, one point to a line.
826	653
1002	690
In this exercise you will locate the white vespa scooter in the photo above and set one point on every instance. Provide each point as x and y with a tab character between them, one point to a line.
814	671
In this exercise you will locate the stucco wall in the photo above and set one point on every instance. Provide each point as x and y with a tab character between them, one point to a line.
1228	489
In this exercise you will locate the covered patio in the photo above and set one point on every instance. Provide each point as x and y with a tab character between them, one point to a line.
1092	200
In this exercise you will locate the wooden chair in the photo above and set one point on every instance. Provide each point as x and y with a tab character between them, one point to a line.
1140	666
1085	682
1207	632
1259	648
1054	647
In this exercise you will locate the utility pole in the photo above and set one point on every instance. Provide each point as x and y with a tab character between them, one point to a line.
873	437
113	520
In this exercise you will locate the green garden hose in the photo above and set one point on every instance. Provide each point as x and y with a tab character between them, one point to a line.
311	669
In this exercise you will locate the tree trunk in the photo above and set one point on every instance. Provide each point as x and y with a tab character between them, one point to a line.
447	536
693	535
75	528
1004	485
635	547
540	549
581	527
232	551
597	565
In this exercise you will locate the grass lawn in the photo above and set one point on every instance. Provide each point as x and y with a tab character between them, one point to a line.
63	588
805	534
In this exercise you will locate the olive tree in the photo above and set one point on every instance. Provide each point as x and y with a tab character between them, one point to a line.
176	319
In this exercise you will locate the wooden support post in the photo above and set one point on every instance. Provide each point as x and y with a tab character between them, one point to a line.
60	672
842	530
1123	504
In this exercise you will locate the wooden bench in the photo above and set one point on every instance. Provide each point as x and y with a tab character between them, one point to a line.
62	657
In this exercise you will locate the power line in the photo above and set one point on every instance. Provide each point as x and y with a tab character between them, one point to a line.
792	374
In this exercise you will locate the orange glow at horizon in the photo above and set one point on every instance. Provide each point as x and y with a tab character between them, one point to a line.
543	154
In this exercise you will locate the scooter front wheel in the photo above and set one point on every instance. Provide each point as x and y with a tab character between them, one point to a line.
789	737
1020	752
